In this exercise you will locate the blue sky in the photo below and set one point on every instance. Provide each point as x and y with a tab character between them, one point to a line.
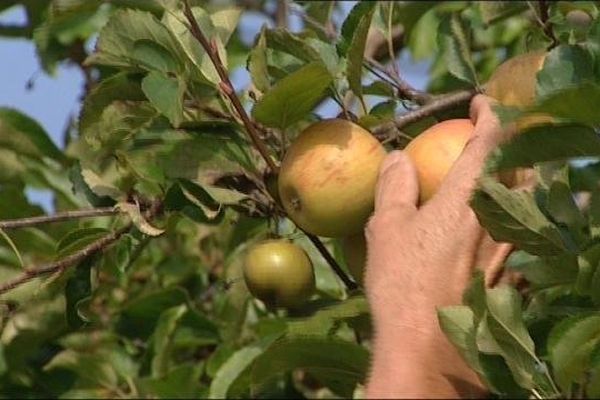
53	99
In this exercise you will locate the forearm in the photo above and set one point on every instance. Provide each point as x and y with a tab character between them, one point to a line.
418	363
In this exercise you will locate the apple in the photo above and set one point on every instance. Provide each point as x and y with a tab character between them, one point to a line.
328	176
279	273
434	151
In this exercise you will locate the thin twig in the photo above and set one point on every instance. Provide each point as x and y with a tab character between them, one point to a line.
58	217
226	86
75	258
405	90
329	258
440	103
546	24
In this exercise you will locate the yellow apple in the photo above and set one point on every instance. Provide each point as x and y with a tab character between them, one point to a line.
279	273
354	249
328	176
434	151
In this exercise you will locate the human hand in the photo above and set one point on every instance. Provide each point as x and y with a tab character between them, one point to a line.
420	259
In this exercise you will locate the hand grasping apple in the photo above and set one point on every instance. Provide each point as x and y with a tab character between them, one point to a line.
421	258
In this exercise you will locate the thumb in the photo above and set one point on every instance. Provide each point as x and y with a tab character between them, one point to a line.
397	187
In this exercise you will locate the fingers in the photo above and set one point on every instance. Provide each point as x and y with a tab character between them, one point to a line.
397	187
488	133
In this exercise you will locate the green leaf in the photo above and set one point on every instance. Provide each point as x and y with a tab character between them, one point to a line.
139	317
166	95
352	22
180	382
77	289
564	67
192	50
120	121
324	319
337	364
154	57
288	101
80	186
257	64
25	136
544	272
458	323
117	40
285	41
162	339
453	41
494	11
506	324
570	346
233	369
514	217
138	219
77	239
545	143
574	104
117	87
356	51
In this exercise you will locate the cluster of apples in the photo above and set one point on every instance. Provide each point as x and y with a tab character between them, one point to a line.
327	184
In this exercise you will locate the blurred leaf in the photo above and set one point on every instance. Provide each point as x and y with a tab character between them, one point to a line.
177	25
77	239
352	23
544	272
288	100
117	87
337	364
25	136
514	217
458	323
139	317
154	57
80	186
180	382
494	11
574	104
324	319
166	95
163	337
257	64
235	367
570	345
13	247
290	43
545	143
565	66
453	41
78	288
118	38
138	219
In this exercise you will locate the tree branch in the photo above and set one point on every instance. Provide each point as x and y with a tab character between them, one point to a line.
439	103
58	217
60	265
227	88
405	90
75	258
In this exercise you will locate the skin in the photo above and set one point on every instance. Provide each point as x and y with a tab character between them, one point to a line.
439	246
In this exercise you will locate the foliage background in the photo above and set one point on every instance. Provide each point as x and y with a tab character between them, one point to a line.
162	311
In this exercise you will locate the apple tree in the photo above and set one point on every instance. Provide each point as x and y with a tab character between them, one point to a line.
134	286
